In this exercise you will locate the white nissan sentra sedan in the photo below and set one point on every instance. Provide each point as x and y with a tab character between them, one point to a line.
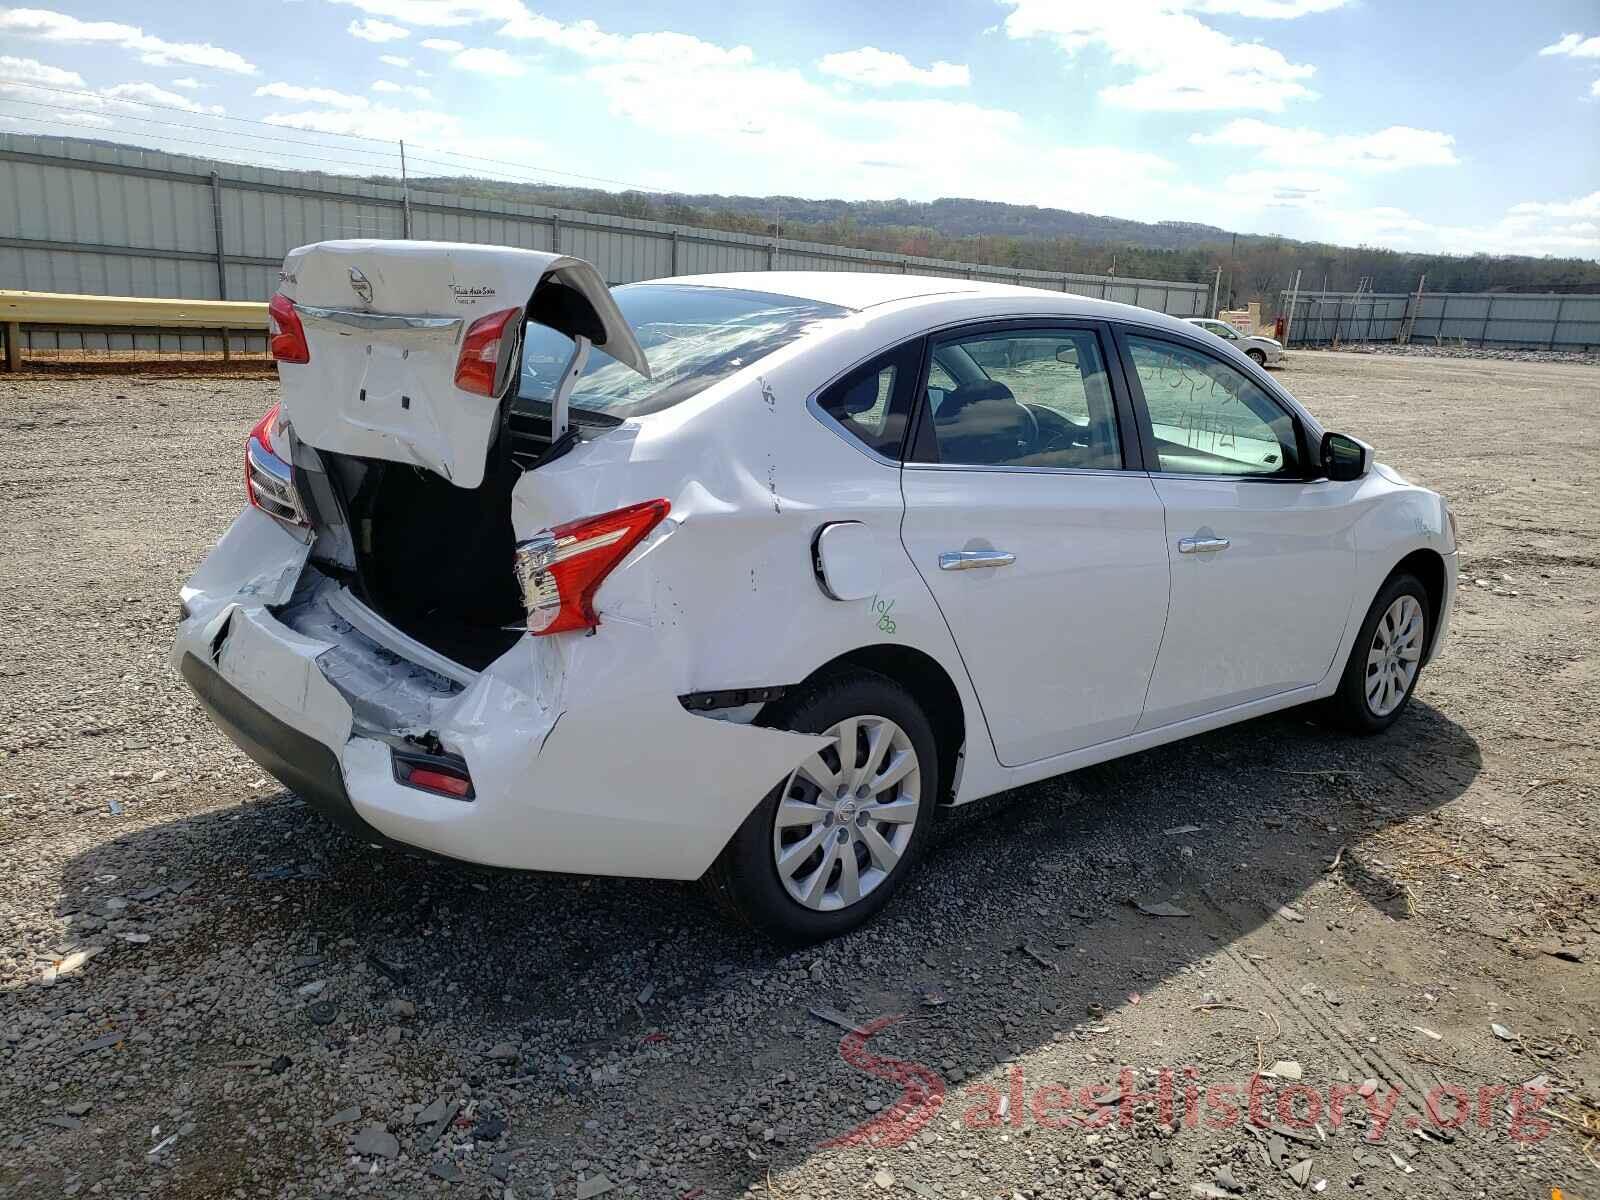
746	577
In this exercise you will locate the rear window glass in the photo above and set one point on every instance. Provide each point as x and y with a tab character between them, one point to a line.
693	336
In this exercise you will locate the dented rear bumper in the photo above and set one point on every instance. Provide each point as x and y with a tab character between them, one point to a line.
582	759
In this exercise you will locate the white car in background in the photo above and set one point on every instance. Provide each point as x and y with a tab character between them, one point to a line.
1263	351
746	577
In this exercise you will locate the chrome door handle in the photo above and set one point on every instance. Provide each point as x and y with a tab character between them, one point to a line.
968	560
1201	545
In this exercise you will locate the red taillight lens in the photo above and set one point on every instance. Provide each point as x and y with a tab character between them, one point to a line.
288	336
268	477
437	781
432	774
560	569
478	367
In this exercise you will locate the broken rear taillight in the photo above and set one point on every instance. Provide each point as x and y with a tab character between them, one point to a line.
488	339
560	569
286	336
268	477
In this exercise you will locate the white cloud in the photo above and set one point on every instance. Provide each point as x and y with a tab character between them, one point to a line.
149	93
409	89
378	121
31	70
188	84
488	61
377	31
87	120
1394	148
588	40
394	60
1574	45
1180	64
1594	88
444	45
440	12
313	95
1269	10
59	27
883	68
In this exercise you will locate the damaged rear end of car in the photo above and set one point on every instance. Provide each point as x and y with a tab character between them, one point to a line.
404	623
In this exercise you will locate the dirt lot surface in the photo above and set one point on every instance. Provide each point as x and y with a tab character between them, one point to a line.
270	1009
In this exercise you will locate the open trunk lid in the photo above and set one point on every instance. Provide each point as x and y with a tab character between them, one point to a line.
384	323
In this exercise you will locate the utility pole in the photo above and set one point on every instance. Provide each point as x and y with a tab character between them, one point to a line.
1232	250
1216	283
1288	321
405	195
1413	308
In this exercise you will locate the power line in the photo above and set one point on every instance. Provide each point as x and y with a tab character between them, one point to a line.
213	146
360	137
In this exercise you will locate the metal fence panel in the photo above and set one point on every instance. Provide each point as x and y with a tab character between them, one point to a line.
1505	319
81	217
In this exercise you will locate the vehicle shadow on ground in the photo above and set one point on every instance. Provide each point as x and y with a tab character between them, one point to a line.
1052	867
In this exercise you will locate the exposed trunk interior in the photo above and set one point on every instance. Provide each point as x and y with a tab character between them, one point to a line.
434	559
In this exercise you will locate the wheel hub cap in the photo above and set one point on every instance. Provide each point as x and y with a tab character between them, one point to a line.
1395	655
847	813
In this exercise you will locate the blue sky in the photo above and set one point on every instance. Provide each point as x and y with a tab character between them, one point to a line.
1418	125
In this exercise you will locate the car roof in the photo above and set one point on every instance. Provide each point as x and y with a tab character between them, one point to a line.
861	290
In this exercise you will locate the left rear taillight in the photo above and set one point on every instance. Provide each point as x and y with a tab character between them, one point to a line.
286	336
482	366
268	477
560	569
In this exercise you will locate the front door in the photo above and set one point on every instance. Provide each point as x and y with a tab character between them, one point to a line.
1262	558
1045	554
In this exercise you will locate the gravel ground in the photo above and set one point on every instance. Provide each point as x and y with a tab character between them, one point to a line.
205	992
1477	353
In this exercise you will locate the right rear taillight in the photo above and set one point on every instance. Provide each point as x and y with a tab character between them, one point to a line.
287	337
268	477
479	366
560	569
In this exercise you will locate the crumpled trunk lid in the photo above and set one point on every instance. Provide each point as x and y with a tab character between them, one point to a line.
384	323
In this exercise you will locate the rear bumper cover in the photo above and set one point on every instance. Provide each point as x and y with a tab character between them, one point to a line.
582	758
301	763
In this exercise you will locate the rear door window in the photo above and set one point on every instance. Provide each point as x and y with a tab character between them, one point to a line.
694	336
872	404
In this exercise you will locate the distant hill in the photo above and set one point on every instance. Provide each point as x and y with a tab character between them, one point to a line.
1254	266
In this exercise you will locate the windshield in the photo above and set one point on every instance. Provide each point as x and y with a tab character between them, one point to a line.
692	335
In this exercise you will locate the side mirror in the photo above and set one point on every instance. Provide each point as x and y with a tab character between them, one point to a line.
1344	457
1067	355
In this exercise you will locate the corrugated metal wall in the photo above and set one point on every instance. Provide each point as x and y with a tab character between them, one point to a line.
1507	319
79	217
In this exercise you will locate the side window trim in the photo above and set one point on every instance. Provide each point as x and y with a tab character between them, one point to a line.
1146	430
919	441
915	348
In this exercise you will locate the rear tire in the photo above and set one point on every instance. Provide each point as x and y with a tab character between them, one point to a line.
826	849
1259	357
1386	660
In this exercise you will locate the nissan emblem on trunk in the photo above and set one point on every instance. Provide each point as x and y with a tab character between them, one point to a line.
362	286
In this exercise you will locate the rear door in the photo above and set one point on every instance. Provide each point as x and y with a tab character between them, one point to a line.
1262	557
1041	540
384	324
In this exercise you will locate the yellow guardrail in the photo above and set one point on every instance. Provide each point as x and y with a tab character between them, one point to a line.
59	308
19	309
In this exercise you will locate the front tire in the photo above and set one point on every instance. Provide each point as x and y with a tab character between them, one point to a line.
1386	660
826	849
1259	357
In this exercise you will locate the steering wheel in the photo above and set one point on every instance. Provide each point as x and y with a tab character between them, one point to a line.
1071	435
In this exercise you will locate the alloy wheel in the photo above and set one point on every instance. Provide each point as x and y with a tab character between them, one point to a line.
1395	655
847	814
